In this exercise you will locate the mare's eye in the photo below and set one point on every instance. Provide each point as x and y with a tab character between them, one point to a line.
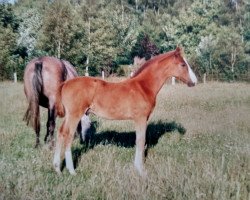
183	64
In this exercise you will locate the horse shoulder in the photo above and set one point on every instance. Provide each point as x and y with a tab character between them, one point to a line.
142	98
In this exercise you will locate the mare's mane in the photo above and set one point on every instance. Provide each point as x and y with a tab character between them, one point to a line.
157	58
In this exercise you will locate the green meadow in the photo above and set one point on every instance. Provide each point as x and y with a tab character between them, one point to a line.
198	147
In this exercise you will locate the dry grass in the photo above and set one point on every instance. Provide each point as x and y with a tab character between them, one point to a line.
210	161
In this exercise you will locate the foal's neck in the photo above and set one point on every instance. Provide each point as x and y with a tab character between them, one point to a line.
154	77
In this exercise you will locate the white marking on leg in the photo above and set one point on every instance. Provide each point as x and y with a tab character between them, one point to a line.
191	73
85	123
57	155
69	161
139	160
140	147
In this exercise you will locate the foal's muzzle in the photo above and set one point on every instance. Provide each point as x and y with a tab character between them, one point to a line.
191	84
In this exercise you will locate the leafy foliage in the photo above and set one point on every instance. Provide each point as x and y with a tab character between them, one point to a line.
8	29
144	47
104	35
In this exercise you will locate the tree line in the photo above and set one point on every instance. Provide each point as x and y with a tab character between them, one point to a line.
107	35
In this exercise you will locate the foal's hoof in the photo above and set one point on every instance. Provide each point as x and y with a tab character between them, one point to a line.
57	167
72	172
58	171
143	174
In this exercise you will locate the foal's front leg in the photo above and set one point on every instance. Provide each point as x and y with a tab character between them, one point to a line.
68	139
140	127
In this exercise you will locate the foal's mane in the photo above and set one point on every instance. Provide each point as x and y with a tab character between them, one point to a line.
157	58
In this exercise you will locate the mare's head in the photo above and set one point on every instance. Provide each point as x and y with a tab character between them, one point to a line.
181	69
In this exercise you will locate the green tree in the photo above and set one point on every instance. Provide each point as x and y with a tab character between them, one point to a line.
29	30
107	33
125	26
102	45
229	53
63	33
57	28
144	47
8	35
205	51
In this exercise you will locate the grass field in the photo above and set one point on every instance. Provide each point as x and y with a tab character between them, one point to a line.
210	161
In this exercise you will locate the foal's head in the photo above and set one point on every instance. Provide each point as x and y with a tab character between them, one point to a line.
181	69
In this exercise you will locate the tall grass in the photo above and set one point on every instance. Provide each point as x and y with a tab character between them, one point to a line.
210	161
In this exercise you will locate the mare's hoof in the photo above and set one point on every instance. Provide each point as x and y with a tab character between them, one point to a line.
52	144
37	145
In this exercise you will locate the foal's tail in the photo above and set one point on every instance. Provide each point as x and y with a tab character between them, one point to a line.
32	115
60	111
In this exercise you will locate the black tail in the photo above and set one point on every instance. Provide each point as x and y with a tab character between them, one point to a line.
32	115
37	81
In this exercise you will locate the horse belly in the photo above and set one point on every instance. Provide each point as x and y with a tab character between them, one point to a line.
113	112
119	109
119	101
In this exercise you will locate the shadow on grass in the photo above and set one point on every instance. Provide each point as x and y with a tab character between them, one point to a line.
127	139
124	139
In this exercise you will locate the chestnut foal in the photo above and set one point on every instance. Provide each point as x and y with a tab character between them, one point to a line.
132	99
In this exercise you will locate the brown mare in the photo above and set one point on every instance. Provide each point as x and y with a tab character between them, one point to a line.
42	78
132	99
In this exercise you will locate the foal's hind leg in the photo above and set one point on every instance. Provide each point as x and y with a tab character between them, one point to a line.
68	142
65	137
59	143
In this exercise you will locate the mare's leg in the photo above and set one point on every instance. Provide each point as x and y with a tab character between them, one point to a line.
140	126
36	122
85	125
50	126
37	130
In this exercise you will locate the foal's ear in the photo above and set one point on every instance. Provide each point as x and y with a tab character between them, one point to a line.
178	51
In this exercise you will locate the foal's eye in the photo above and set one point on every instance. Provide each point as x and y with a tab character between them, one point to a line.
183	64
